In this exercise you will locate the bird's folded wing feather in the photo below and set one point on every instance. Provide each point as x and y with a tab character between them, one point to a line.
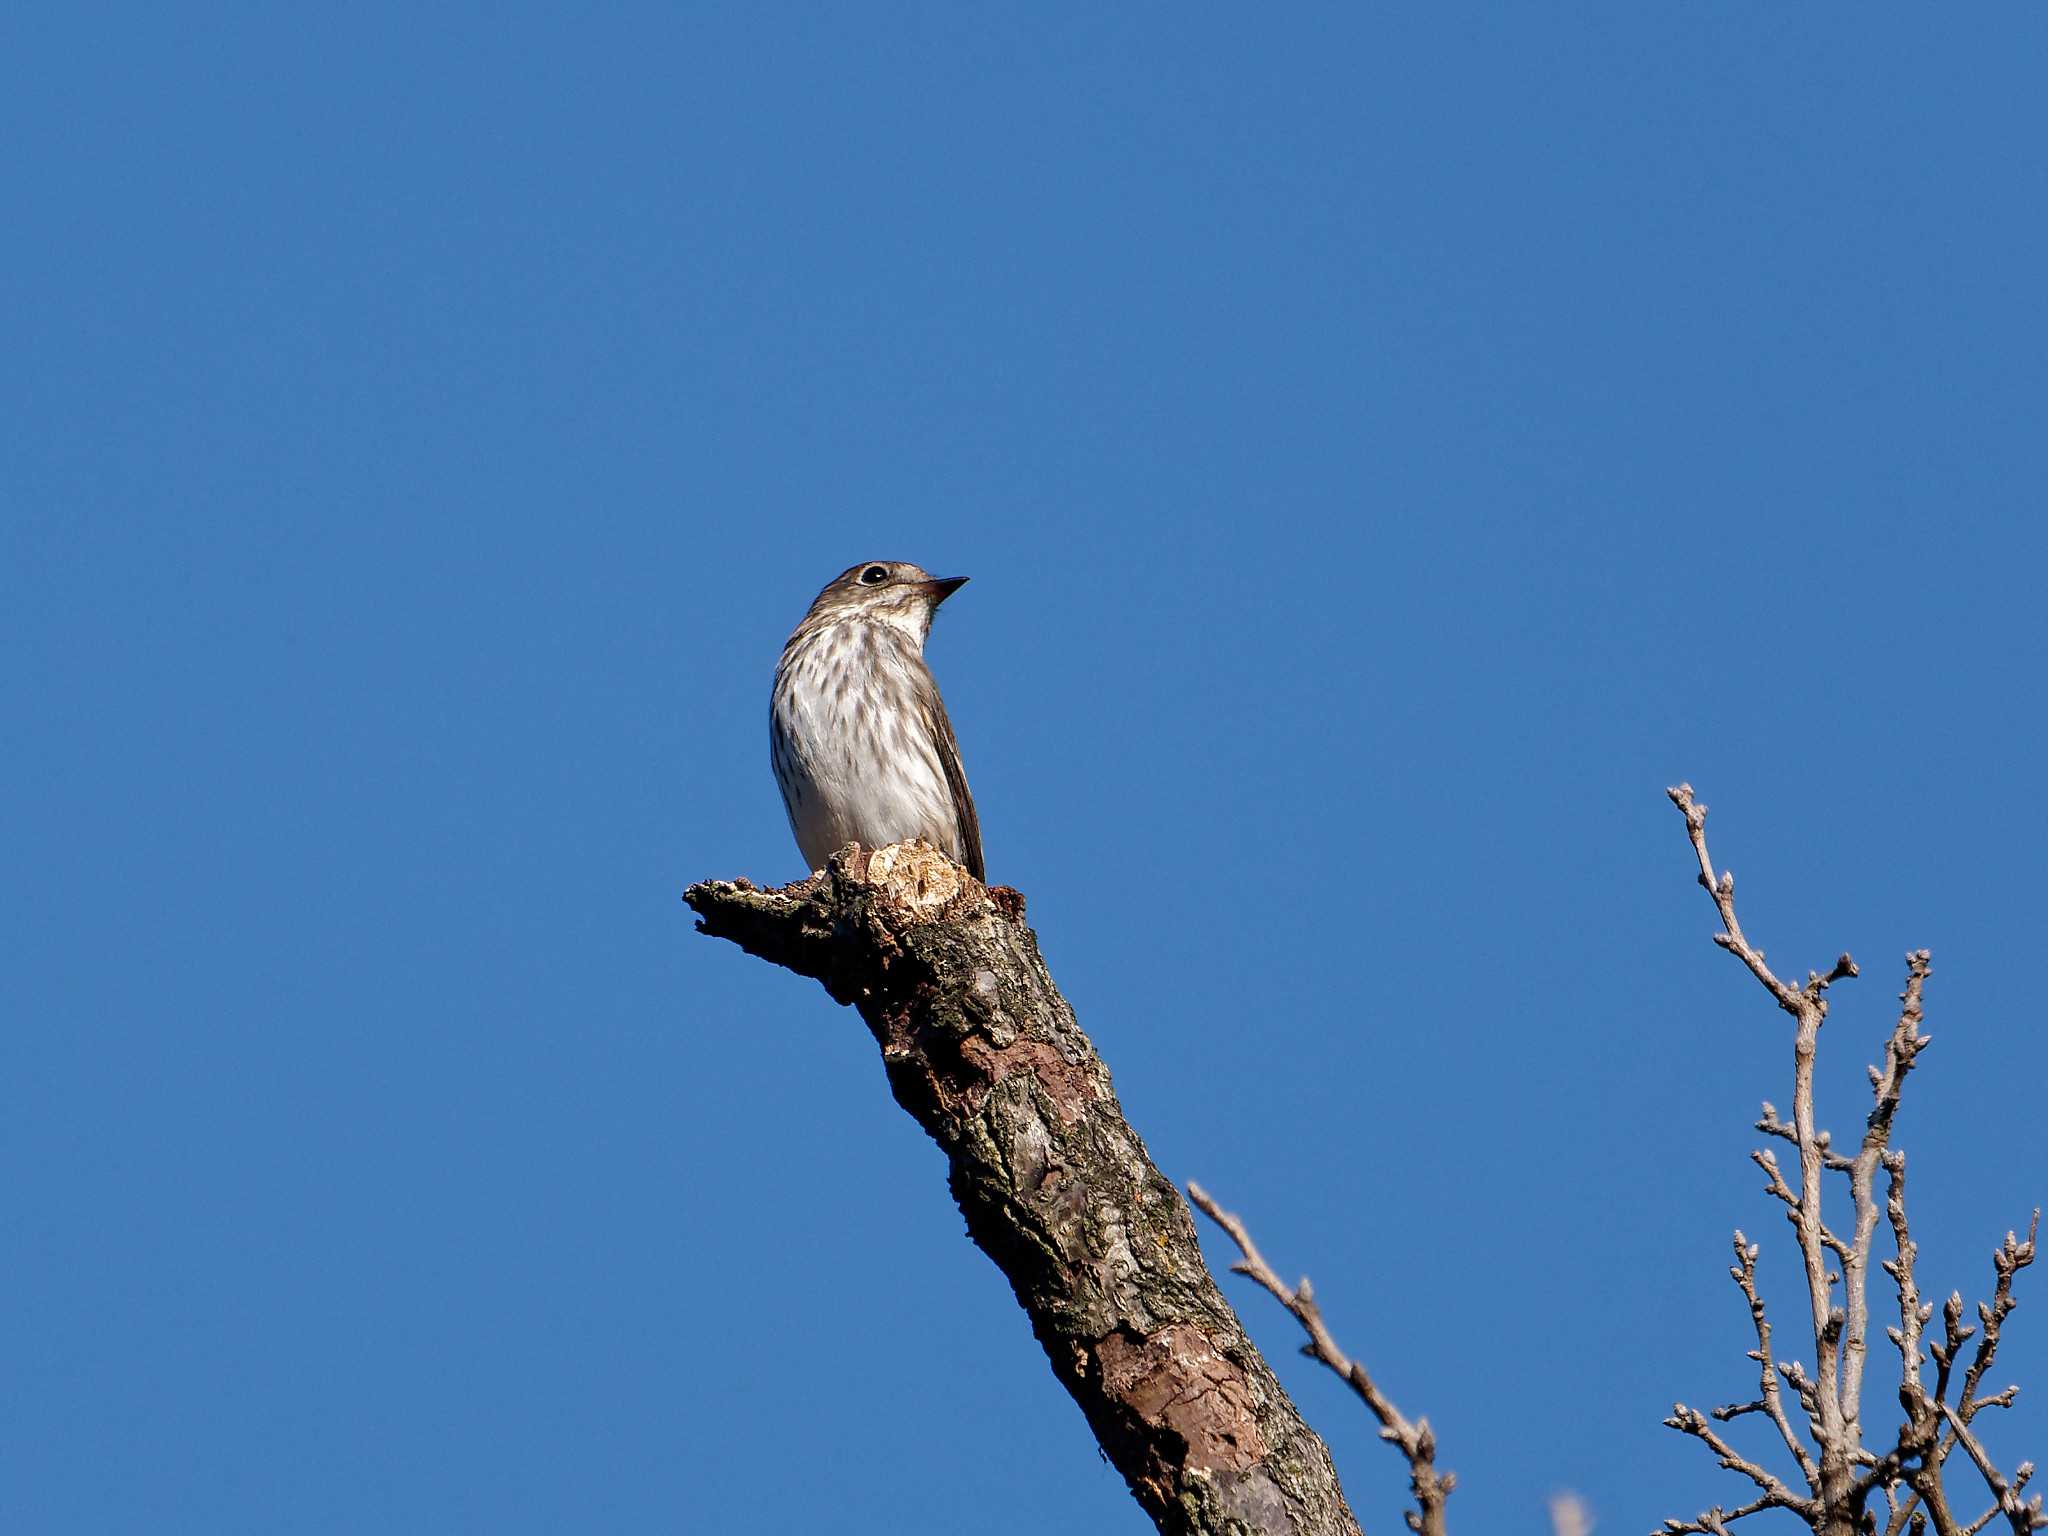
956	780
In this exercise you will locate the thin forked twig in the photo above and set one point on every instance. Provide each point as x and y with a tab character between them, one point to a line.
1414	1438
1774	1492
1771	1401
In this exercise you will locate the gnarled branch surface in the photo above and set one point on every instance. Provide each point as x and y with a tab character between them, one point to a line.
984	1053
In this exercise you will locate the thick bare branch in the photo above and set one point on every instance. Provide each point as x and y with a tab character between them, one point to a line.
1057	1189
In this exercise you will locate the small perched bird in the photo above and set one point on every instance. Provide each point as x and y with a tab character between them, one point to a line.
862	749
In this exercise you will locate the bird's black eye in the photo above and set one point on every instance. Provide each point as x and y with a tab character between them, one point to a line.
873	574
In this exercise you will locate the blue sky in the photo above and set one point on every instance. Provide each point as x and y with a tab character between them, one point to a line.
1388	448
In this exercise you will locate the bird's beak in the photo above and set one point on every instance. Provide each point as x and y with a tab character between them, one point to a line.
943	587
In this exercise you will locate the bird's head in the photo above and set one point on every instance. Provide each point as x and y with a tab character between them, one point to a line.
892	592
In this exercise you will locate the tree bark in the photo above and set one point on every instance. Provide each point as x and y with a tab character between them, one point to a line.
984	1053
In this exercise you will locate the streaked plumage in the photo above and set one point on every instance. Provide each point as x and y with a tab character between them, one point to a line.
858	736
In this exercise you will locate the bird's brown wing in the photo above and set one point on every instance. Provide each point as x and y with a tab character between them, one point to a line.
956	780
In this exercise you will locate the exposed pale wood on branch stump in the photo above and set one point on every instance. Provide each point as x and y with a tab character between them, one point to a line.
984	1053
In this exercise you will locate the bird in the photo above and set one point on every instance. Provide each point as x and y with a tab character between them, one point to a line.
858	736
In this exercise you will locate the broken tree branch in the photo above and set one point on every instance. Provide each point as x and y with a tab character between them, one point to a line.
983	1052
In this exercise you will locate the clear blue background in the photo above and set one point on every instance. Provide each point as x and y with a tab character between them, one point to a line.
1388	448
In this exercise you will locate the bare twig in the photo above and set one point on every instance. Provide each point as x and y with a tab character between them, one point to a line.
1415	1439
1900	1052
1834	1431
2011	1257
1722	889
1715	1521
1846	1474
1776	1494
2007	1260
2022	1515
1913	1312
1743	1272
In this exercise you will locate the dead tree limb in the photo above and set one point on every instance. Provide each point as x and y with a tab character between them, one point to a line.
1057	1189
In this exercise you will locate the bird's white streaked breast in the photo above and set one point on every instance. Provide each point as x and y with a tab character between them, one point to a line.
848	744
